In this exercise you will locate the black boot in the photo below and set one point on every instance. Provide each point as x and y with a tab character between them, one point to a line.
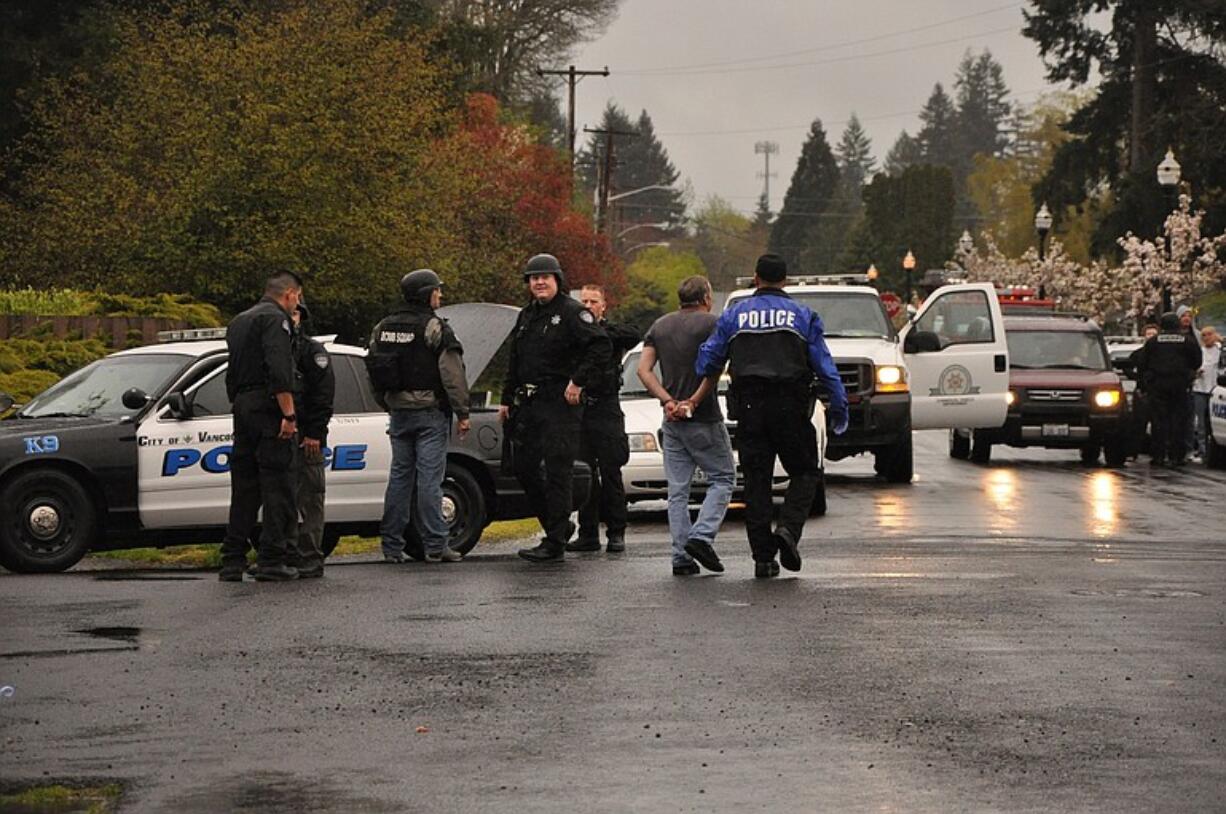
789	552
617	544
766	570
584	544
276	573
547	551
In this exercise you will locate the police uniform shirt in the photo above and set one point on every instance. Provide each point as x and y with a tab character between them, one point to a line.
260	341
621	339
555	342
771	337
314	406
1168	361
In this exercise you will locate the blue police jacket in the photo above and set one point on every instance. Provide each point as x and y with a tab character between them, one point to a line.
772	337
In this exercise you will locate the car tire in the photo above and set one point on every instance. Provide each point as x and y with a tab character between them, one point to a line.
1115	452
1089	454
959	445
896	463
818	507
464	508
69	522
981	448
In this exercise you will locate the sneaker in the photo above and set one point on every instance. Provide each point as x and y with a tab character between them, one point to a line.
616	545
276	573
311	572
765	570
789	552
395	558
690	569
584	544
702	551
451	555
230	575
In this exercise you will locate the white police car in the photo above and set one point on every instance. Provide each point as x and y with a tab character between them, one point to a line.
1216	442
134	450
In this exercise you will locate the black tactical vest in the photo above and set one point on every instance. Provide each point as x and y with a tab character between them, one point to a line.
401	359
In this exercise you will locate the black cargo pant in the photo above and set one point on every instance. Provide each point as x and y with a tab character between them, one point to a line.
1169	412
311	496
545	437
263	473
604	447
776	422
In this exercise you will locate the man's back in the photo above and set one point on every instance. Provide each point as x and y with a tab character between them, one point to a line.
676	338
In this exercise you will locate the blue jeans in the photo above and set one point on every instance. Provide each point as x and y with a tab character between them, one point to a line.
1200	423
704	444
419	459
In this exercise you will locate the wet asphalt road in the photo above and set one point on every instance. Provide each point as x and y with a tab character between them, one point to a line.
1030	635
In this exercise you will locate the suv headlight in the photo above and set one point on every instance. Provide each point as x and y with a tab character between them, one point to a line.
891	379
1011	398
642	442
1106	399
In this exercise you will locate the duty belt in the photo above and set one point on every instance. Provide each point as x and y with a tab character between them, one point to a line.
525	393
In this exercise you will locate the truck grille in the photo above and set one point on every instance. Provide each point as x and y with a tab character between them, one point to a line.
1049	396
857	378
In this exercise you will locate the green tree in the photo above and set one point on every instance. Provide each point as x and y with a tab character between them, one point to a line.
727	242
855	156
652	281
1160	81
938	138
983	106
813	185
912	211
906	152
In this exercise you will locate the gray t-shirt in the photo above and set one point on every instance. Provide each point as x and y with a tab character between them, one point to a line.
676	338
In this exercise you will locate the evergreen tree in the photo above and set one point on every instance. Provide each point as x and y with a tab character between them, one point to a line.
855	154
912	211
762	216
983	107
906	152
1160	82
638	161
938	137
808	197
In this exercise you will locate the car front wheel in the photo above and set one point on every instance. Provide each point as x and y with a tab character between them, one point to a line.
464	510
47	522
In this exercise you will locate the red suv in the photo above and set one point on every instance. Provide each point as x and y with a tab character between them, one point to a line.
1063	393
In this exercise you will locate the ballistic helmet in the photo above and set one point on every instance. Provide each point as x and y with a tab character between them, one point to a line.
545	264
417	285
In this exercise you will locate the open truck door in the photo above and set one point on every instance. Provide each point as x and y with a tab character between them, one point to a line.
957	359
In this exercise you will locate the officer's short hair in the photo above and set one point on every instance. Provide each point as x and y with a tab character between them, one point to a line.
281	281
771	268
693	290
595	287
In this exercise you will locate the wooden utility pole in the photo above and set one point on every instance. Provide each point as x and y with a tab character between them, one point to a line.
572	78
605	175
1144	88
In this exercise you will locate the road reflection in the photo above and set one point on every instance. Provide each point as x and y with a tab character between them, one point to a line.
1102	491
1000	485
893	512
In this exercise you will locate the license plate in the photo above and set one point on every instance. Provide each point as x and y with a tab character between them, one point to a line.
1055	430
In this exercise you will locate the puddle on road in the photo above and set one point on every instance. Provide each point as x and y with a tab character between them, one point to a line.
267	792
1143	593
116	634
145	577
120	639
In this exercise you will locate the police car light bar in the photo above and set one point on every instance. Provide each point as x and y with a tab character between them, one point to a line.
814	279
191	334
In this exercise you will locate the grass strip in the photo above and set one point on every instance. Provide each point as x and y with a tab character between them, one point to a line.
58	799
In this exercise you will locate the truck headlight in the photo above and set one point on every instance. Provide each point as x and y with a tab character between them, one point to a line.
891	379
1106	399
643	442
1011	398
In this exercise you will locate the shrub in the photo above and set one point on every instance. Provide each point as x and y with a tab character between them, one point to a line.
24	385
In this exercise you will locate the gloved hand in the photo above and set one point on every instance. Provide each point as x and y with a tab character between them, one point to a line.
838	423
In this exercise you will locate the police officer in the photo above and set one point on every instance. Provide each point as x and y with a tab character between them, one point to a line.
416	367
314	409
557	351
775	349
1167	364
603	444
261	381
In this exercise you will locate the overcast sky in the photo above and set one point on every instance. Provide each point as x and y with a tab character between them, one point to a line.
708	73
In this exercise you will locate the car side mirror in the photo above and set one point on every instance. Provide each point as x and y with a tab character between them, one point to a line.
921	342
180	406
134	398
6	402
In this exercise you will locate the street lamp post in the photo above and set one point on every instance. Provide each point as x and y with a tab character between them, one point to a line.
908	265
966	244
1042	225
872	274
628	229
636	246
1169	173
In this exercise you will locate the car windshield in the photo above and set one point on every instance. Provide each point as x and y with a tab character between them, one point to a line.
1080	350
632	386
97	389
846	314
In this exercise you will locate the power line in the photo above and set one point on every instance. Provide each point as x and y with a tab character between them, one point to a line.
827	47
572	78
829	61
